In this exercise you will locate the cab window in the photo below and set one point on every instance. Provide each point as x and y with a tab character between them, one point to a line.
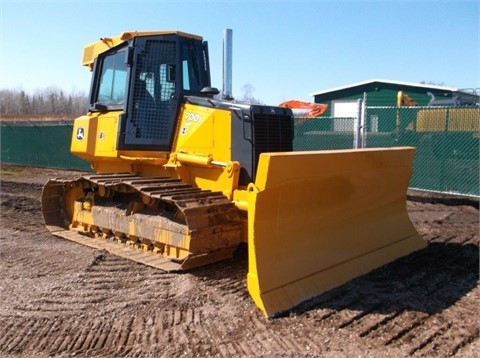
113	79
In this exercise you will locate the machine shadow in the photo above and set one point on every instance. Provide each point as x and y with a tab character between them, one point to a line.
235	268
429	281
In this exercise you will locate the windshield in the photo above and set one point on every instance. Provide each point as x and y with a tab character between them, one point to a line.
113	79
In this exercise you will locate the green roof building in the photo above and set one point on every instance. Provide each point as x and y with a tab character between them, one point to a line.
342	100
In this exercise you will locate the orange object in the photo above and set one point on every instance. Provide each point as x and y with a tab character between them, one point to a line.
316	109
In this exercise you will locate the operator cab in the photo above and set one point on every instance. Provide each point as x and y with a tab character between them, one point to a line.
146	78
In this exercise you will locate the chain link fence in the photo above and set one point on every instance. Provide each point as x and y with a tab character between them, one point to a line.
447	141
39	144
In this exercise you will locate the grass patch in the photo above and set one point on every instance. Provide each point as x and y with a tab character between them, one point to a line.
7	172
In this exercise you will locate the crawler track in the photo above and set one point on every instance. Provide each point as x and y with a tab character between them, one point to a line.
209	229
62	299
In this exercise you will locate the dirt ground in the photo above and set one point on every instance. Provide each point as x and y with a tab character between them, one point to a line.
60	299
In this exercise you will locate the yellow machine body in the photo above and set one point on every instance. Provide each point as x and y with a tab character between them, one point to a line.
225	173
200	156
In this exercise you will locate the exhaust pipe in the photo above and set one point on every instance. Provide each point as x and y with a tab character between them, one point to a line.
227	64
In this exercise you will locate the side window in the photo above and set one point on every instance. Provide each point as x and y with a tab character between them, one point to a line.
113	79
186	77
191	68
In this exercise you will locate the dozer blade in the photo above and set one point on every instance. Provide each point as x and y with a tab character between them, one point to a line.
319	219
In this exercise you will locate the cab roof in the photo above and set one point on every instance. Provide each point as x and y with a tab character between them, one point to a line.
92	50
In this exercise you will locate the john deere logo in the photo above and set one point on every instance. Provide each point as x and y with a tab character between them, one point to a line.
80	133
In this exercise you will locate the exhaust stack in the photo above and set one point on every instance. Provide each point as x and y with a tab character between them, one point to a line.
227	64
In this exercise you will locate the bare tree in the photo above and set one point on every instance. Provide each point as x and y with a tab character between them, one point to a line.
46	102
247	91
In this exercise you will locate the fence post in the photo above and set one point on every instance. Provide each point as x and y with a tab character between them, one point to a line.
357	126
363	129
359	140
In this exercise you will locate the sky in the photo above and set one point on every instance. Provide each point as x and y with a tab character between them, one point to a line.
282	49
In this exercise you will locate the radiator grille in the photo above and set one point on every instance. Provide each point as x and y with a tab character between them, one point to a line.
272	133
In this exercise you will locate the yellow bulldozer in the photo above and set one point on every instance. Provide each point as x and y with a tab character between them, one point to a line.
183	177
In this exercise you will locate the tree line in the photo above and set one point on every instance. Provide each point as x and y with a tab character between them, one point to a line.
54	102
46	102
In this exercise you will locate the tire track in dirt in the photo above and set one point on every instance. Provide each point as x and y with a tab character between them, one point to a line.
453	330
86	302
124	336
386	320
408	319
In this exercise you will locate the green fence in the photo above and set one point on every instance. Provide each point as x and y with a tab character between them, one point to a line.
447	142
39	145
